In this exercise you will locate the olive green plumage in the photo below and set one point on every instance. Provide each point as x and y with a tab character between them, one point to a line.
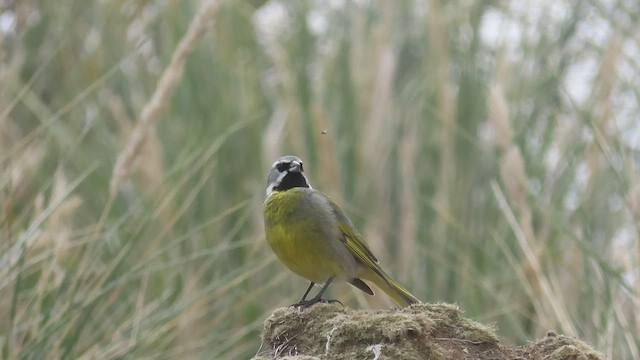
314	238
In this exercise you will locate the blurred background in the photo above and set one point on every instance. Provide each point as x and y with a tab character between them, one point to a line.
488	151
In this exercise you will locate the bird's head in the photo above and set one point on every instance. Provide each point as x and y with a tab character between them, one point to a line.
286	173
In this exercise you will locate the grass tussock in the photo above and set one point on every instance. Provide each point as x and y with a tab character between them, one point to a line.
422	331
487	152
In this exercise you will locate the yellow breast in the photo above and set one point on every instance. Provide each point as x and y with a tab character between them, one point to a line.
302	231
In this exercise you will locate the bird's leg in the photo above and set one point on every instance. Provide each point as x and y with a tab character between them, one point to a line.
304	297
318	298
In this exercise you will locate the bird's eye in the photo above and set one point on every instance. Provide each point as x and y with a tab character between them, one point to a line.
282	166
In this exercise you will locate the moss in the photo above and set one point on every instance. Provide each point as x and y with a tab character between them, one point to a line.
421	331
451	324
560	347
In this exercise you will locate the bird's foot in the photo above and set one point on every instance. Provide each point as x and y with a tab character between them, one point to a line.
311	302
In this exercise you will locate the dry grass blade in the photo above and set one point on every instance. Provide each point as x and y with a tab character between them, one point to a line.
550	307
167	84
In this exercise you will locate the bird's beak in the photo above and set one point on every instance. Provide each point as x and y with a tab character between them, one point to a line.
295	167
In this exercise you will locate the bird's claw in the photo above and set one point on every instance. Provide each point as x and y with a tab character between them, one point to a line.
311	302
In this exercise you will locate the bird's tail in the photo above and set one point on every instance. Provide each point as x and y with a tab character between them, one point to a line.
396	292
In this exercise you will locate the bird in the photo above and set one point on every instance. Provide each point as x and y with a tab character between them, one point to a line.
315	239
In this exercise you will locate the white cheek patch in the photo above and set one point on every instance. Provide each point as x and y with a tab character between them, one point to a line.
275	184
270	189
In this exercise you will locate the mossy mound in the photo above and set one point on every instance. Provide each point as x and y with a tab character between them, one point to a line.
421	331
